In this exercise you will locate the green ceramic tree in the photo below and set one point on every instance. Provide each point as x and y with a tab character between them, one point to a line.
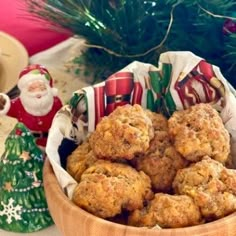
23	206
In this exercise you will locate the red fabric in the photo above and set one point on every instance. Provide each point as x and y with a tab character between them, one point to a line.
34	123
99	103
118	89
36	35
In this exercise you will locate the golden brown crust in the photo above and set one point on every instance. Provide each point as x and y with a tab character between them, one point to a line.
126	132
159	122
159	149
161	137
161	167
199	131
107	188
80	159
211	185
167	211
161	161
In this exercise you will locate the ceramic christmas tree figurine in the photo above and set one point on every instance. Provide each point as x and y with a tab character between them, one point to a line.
37	103
23	207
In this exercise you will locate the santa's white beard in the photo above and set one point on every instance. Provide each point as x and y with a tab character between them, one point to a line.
37	106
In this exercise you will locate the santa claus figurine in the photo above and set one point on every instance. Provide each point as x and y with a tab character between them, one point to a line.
37	103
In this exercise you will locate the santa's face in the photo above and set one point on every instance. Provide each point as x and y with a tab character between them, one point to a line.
37	98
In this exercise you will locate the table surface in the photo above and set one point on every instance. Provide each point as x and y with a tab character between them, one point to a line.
50	231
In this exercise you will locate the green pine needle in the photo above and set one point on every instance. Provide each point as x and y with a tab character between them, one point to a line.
121	31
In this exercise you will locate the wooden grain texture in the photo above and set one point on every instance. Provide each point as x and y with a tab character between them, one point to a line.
73	221
13	59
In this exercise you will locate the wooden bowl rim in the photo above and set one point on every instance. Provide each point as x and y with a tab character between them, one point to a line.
53	186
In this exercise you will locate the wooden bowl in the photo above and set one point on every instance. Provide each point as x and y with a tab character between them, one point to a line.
72	220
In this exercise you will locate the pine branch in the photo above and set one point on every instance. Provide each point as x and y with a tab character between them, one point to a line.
122	28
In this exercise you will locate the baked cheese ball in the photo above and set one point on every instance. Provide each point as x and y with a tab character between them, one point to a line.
134	153
79	160
210	185
126	132
161	161
167	211
199	131
106	189
161	167
161	136
159	121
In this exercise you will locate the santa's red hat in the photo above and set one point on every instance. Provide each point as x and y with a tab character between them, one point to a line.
35	72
